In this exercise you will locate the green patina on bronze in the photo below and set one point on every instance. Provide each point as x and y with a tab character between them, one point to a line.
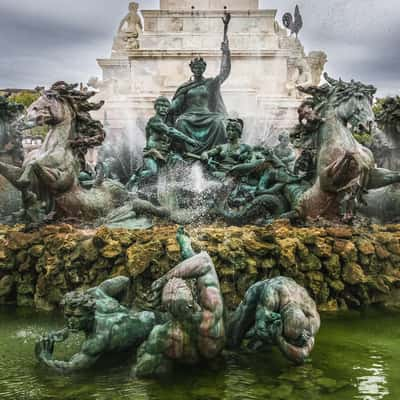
108	326
195	330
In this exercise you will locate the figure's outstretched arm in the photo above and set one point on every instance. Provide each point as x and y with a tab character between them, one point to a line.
44	349
211	153
226	53
185	243
225	68
191	268
78	362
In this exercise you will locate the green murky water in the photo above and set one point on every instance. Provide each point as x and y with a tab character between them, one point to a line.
357	356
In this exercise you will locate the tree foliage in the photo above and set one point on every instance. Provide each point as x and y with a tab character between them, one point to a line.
26	98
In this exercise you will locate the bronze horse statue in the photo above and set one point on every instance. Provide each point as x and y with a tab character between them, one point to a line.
344	170
49	175
383	205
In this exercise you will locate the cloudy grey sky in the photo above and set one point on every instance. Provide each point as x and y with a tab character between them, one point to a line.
42	41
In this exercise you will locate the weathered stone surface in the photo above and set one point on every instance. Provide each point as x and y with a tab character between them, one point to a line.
36	250
111	250
353	274
340	266
346	249
140	257
365	246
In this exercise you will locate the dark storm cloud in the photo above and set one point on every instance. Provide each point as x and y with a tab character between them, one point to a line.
360	37
45	40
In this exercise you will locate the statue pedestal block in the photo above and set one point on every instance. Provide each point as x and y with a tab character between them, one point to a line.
263	61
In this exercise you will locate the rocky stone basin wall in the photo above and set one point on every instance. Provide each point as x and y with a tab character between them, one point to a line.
340	266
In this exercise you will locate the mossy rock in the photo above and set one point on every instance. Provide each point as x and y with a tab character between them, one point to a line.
89	252
333	266
310	263
353	274
112	249
140	256
346	249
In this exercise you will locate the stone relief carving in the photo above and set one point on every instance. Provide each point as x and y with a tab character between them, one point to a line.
299	73
317	61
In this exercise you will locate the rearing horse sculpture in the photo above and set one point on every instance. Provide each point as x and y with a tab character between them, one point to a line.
343	164
344	169
50	173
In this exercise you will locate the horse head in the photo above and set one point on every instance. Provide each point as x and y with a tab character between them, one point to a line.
350	101
353	103
51	108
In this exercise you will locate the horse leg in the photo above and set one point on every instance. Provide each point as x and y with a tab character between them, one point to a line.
55	179
380	177
11	173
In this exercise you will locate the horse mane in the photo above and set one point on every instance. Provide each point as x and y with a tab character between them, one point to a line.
89	132
340	90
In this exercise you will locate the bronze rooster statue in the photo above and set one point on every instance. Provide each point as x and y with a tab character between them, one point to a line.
294	25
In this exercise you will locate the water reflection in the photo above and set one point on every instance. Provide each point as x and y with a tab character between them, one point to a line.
373	385
357	360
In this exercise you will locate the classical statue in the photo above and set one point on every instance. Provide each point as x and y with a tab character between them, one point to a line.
343	108
196	329
342	165
293	24
223	157
279	312
270	197
197	106
160	138
107	325
284	151
128	30
299	75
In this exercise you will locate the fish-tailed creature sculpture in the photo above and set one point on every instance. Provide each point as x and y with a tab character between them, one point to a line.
293	24
345	169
